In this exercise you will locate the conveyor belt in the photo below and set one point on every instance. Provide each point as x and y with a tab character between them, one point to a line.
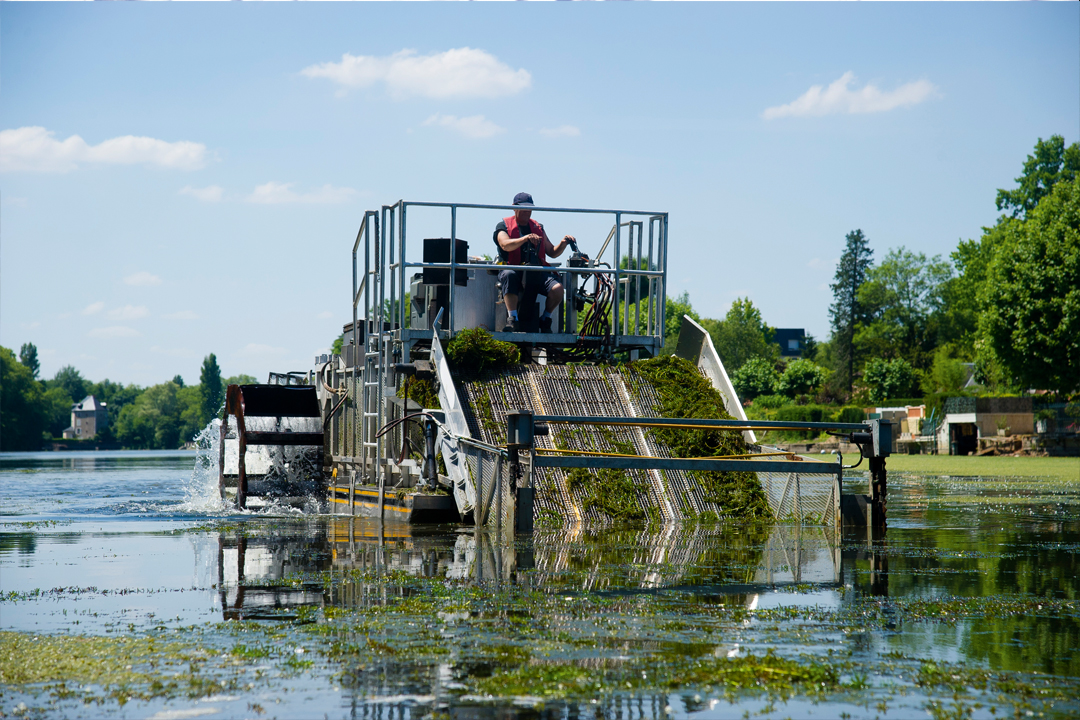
583	390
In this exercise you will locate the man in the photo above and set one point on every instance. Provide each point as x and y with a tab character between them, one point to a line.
522	241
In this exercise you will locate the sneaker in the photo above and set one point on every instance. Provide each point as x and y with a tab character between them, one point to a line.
513	326
545	324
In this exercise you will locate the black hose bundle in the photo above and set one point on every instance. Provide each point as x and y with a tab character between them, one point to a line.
595	340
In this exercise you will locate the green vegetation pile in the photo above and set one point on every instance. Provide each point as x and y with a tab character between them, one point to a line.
474	352
685	393
611	492
422	392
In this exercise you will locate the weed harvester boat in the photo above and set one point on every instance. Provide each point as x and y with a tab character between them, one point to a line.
584	429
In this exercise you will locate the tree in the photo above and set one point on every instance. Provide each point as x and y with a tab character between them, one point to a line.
887	379
801	377
958	317
28	357
21	414
240	379
757	376
900	295
115	395
153	420
1030	322
71	381
1051	164
847	311
189	400
947	374
178	381
213	392
56	407
742	335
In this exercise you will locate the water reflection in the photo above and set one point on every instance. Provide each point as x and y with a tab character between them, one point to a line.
260	573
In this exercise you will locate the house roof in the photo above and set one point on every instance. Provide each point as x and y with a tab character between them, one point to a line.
88	403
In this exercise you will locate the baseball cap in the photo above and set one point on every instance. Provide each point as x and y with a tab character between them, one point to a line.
523	198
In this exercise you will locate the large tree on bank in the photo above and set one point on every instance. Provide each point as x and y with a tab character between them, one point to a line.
213	394
1030	320
1052	163
847	312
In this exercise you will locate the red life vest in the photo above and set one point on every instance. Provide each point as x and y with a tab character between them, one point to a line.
513	257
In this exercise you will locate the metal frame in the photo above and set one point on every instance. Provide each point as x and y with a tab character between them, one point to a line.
389	275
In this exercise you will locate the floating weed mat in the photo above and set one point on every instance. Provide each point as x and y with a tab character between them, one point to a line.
683	392
96	669
507	641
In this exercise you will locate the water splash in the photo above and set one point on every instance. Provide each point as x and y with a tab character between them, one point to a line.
201	492
290	477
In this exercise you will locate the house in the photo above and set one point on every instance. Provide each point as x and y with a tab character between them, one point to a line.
968	418
907	420
88	418
792	341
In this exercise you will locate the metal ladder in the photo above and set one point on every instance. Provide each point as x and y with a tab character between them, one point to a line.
372	401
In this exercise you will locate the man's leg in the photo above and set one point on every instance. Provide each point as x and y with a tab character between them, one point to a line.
554	291
510	284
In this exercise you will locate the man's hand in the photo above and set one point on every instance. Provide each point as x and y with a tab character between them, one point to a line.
533	238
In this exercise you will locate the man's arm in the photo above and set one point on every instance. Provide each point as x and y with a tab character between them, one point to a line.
557	250
509	245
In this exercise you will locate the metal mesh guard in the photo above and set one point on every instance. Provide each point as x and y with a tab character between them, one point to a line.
490	474
802	497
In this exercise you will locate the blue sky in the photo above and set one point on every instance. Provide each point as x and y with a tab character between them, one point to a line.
180	179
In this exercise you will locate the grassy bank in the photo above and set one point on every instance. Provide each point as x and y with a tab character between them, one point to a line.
1051	468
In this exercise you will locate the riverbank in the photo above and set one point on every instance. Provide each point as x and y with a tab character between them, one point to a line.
1053	468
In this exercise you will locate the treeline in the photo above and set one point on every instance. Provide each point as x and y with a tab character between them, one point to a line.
34	412
1005	305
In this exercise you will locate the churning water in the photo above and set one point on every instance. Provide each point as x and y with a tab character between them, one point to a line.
129	589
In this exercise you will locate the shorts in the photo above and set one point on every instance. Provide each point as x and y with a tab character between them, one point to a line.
538	281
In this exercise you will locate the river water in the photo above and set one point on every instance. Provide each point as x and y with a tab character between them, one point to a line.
128	590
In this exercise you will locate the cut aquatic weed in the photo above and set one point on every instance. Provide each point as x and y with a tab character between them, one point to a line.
474	351
685	393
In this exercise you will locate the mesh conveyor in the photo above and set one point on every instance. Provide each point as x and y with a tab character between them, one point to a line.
612	391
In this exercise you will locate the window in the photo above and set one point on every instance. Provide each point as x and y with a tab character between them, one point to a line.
78	421
78	431
793	344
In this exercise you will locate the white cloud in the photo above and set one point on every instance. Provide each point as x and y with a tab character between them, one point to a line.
37	150
258	349
561	131
275	193
839	98
93	308
16	201
210	193
142	279
474	126
129	312
459	73
181	315
113	331
326	314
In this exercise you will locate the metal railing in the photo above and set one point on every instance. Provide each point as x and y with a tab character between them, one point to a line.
384	283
